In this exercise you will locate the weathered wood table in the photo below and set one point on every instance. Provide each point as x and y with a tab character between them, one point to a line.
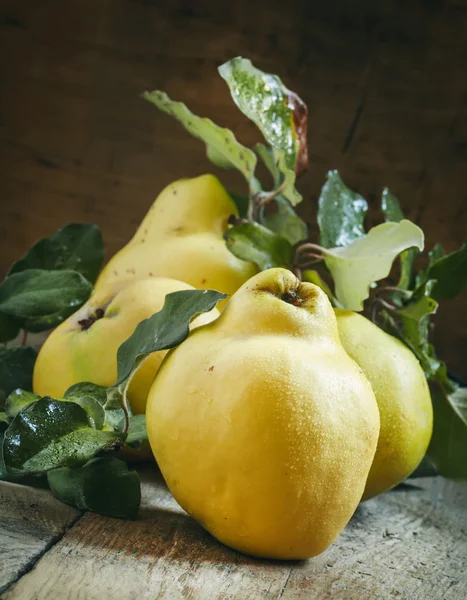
408	543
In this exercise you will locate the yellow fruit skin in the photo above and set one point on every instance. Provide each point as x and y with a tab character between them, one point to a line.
181	237
264	429
71	354
402	395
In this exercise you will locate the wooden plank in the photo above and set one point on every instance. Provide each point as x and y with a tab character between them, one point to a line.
31	521
401	545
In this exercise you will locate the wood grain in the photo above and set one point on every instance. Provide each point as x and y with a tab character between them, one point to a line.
31	521
409	543
385	85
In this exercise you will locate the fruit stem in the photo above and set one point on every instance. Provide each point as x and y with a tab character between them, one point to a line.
125	408
260	199
393	288
306	251
24	338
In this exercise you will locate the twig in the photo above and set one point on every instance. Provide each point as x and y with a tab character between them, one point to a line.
393	288
125	408
24	338
260	199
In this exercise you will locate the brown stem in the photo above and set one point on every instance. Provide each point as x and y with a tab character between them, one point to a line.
392	288
126	411
298	273
309	246
259	200
305	264
24	338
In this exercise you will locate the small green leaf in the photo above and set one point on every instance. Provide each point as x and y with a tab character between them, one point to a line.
241	202
279	113
16	368
368	259
103	485
392	210
9	328
391	207
137	430
414	326
86	388
52	433
221	144
115	417
284	220
450	272
448	446
75	247
4	419
94	410
288	179
341	213
253	242
3	471
165	329
43	299
17	400
266	153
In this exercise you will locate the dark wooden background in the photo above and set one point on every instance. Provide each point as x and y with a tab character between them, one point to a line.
385	82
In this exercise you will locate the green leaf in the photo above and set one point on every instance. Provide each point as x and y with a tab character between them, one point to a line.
368	259
253	242
115	417
86	388
392	210
43	299
391	207
288	179
75	247
17	400
16	368
277	112
137	430
433	255
221	145
266	153
414	327
341	213
4	420
275	161
241	202
165	329
103	485
3	471
91	398
9	328
284	220
448	446
450	272
53	433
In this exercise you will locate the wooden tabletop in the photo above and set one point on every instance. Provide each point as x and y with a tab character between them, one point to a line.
408	543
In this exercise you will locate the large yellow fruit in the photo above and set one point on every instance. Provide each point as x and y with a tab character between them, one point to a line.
263	427
181	237
84	347
403	398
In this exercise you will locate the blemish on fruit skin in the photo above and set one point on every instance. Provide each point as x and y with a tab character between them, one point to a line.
203	281
211	368
115	273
